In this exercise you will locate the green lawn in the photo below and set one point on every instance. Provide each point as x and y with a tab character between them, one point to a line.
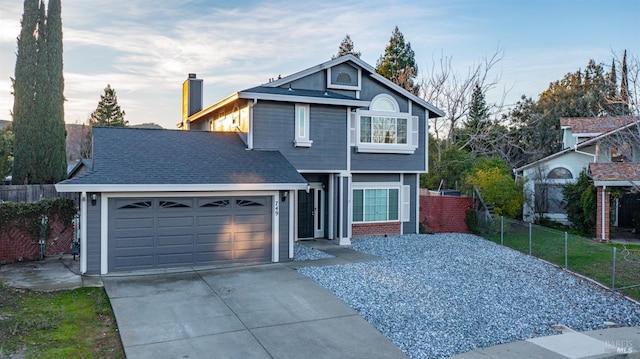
586	257
66	324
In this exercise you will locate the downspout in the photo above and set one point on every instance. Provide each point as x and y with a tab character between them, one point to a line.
602	223
83	233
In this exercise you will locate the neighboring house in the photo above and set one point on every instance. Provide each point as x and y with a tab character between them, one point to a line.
333	151
594	144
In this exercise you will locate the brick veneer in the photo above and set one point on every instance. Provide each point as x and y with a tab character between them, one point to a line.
441	214
607	214
17	246
370	229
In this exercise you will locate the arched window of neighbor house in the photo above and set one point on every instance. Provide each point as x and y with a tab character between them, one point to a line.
559	173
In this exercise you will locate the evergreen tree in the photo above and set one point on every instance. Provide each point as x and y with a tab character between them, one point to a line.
613	81
478	110
624	84
36	151
108	112
346	47
398	63
54	92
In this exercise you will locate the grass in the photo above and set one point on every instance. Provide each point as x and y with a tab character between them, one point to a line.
584	256
75	323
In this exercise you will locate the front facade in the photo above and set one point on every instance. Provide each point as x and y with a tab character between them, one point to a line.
597	145
358	139
330	152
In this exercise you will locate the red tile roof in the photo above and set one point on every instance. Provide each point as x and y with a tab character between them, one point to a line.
615	171
595	125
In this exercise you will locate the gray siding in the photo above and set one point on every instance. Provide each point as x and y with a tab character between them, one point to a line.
274	129
410	227
283	241
371	88
93	235
376	177
316	81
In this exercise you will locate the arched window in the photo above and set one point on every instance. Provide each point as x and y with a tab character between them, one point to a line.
384	102
559	173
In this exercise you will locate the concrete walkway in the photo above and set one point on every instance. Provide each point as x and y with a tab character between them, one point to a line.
269	311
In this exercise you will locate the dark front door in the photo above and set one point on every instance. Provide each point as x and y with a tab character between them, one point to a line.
629	207
306	213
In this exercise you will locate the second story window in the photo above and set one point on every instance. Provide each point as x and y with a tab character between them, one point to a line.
302	126
384	129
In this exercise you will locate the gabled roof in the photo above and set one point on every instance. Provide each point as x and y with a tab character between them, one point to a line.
273	90
632	121
594	125
372	72
138	159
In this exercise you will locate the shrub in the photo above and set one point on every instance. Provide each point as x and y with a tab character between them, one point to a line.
28	216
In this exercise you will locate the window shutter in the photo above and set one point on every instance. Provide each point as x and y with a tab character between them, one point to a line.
353	122
414	132
406	203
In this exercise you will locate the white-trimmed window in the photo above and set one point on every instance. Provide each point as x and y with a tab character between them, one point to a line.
384	129
376	205
302	126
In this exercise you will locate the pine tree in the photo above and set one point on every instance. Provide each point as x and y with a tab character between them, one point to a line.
398	63
478	110
346	47
108	112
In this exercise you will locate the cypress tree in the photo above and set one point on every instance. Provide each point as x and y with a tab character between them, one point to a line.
624	85
54	92
24	92
38	115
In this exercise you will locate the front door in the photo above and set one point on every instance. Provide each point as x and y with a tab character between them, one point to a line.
311	212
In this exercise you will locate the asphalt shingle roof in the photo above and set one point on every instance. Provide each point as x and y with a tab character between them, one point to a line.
595	125
155	156
614	171
298	92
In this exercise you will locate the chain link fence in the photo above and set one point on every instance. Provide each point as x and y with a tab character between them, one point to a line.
614	265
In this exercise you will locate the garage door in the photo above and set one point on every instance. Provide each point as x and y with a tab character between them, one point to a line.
148	233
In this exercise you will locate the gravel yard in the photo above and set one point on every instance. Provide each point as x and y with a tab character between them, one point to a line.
444	294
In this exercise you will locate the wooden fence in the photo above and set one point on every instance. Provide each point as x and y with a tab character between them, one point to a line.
31	193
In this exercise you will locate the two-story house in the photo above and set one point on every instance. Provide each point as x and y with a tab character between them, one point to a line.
604	146
333	151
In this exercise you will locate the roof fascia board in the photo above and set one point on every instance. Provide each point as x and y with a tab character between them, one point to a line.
61	187
616	183
305	99
225	101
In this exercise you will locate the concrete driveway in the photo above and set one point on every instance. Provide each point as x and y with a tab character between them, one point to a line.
266	311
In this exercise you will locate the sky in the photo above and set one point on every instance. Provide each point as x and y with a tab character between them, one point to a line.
146	48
